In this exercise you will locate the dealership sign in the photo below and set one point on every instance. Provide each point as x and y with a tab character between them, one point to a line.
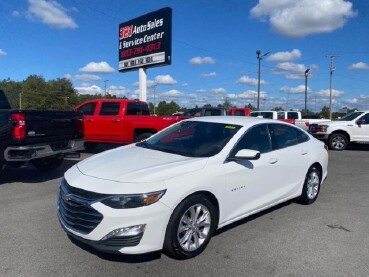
146	41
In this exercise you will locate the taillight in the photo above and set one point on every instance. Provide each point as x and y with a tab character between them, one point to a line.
18	121
78	125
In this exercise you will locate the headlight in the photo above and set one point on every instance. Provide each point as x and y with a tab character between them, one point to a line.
130	201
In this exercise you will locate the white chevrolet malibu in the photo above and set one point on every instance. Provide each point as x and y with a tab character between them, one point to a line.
174	189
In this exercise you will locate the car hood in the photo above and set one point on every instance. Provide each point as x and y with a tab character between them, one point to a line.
137	164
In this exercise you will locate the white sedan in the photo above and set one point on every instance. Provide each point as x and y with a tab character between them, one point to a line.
174	189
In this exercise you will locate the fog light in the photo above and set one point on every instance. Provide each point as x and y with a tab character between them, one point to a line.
126	231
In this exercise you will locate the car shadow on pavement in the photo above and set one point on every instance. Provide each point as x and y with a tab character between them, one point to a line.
358	147
27	173
121	258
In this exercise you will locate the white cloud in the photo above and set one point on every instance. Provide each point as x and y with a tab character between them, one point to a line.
218	90
301	18
86	77
326	93
51	13
2	53
165	80
202	60
101	67
359	66
208	75
285	56
90	90
296	90
172	93
201	90
119	91
246	80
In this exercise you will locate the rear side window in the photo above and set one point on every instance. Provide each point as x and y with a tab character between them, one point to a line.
137	109
292	115
285	136
110	108
88	109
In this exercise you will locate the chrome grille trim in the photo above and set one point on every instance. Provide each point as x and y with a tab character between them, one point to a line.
75	211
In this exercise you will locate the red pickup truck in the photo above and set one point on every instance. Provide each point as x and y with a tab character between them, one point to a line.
120	121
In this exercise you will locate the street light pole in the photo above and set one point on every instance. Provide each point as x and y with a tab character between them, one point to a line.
306	77
259	57
105	85
331	70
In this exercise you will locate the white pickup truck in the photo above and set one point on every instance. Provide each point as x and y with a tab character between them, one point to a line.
353	127
293	117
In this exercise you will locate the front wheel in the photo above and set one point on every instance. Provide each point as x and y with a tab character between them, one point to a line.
338	142
48	163
190	227
311	188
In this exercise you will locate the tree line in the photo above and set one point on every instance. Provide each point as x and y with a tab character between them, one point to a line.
59	94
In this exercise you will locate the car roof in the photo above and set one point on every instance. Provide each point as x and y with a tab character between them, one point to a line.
236	120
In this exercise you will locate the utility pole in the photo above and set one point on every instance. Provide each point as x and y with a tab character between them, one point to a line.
105	86
331	70
306	77
259	57
154	99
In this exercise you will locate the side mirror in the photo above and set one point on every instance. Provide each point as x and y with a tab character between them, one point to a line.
246	154
360	121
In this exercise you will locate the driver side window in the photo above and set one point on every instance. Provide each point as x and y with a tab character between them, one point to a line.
256	138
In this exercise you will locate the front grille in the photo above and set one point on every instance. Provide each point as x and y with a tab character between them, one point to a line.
75	211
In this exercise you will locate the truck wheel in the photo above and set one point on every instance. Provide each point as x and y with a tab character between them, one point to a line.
338	142
48	163
190	227
311	188
143	136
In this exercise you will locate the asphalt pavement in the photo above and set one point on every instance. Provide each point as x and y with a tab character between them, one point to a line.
328	238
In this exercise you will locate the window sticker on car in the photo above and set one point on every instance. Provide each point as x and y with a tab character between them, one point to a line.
230	127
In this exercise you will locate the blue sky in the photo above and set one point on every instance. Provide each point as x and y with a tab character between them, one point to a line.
214	45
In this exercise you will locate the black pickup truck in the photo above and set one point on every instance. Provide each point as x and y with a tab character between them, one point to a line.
41	137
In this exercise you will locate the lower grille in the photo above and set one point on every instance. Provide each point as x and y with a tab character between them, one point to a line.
75	211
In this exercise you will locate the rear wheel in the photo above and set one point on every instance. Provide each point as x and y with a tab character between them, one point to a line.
48	163
190	227
337	142
311	188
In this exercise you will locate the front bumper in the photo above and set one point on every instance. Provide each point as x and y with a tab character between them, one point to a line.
155	217
29	152
320	136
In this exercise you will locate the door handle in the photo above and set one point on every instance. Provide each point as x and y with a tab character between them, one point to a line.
116	120
273	160
89	120
304	152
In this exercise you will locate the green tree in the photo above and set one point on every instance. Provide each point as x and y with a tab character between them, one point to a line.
325	112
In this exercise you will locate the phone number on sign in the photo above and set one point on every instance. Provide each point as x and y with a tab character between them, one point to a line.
141	50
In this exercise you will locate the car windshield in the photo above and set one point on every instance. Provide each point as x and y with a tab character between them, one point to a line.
192	138
350	116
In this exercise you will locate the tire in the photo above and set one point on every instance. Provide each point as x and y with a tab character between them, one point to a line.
338	142
311	188
48	163
190	227
143	136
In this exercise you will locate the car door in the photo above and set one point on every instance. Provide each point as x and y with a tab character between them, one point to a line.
88	111
253	185
361	131
249	181
108	123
